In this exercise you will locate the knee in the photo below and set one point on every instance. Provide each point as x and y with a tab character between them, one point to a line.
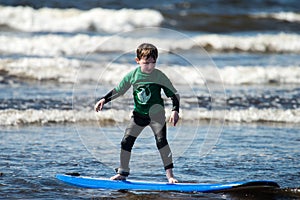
161	142
127	142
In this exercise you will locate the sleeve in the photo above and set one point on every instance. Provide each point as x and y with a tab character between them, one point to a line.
123	86
167	86
176	102
113	94
171	92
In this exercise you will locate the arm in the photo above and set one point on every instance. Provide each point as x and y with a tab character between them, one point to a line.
175	101
175	109
123	86
107	98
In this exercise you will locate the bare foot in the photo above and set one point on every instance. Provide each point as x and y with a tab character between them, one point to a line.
173	180
118	177
170	176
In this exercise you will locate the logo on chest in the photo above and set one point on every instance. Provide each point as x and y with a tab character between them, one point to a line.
143	94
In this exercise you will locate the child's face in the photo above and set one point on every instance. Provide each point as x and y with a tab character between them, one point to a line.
147	65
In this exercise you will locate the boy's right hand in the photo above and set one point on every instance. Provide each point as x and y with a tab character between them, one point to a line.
99	105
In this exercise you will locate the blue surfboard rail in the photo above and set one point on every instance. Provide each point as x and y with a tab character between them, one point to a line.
102	183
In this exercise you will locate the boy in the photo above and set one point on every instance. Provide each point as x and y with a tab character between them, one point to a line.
147	82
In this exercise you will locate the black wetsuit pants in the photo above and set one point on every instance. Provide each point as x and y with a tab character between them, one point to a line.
137	123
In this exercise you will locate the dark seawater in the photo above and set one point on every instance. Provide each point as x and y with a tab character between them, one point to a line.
236	65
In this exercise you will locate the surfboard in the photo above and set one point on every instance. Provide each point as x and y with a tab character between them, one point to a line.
103	183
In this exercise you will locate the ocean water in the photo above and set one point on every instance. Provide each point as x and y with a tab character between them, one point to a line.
235	64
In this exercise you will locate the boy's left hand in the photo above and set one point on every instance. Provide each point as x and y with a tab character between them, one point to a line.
174	117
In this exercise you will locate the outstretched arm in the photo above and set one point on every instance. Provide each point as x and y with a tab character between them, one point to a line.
107	98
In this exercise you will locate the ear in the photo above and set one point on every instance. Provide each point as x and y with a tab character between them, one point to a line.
137	60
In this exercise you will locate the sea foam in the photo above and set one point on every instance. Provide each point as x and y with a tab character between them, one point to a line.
62	69
74	20
83	44
12	117
283	16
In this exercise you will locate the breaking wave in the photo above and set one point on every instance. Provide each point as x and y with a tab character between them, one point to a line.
283	16
74	20
81	44
11	117
65	70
